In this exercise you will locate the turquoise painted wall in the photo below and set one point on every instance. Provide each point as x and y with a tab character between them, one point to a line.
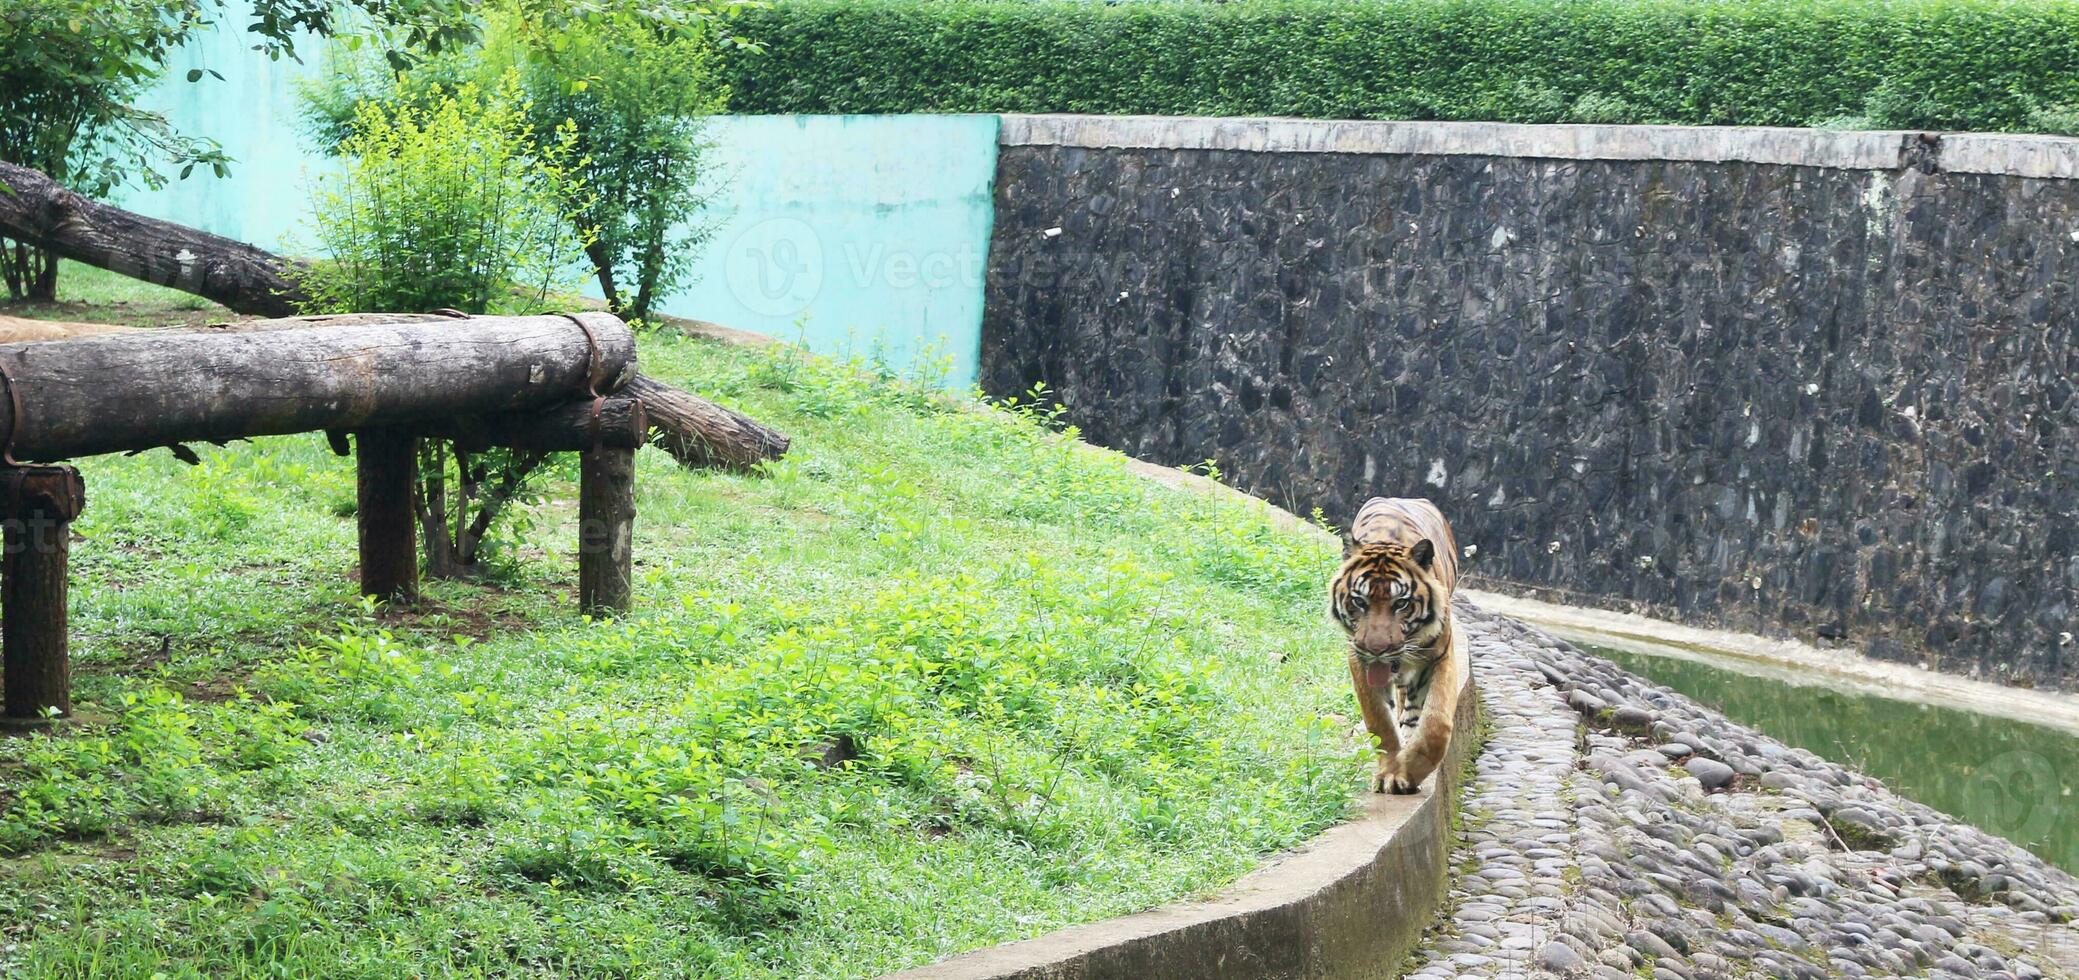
856	235
864	235
252	112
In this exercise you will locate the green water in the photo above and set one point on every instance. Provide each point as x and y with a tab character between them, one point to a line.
2007	777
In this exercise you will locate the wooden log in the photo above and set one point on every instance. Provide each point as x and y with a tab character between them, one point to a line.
39	503
253	281
384	465
621	423
133	391
42	212
698	432
606	530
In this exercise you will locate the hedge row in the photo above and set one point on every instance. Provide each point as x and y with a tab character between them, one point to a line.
1933	64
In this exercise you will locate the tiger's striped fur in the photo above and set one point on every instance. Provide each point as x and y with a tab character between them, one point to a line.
1392	594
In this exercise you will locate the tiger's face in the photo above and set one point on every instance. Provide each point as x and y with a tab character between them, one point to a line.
1386	598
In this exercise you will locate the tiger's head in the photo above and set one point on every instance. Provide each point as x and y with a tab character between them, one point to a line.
1386	597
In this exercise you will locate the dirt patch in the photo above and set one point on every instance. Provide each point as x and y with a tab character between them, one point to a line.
477	620
214	690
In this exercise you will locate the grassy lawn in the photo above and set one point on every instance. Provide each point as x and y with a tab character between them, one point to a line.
942	678
91	295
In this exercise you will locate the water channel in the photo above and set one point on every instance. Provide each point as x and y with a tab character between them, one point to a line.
2008	777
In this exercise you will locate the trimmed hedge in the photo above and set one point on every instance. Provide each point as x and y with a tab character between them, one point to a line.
1920	64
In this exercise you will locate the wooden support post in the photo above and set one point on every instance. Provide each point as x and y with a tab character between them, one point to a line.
40	504
606	529
384	463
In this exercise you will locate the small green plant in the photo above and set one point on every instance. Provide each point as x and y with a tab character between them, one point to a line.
1595	107
629	91
452	203
2062	118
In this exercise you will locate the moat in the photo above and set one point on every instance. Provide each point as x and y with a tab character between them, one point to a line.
2009	777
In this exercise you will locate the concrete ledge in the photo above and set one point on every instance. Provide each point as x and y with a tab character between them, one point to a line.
2051	157
1986	153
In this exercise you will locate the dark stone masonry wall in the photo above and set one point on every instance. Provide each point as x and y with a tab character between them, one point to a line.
1733	389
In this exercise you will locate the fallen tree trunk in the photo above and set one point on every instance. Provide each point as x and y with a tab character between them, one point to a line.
699	432
132	391
38	210
42	212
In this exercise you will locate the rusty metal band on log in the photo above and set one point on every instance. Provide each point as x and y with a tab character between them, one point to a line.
126	392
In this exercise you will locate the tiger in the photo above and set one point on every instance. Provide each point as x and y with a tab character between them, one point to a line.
1392	595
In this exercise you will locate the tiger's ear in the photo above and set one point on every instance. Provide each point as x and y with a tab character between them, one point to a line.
1424	553
1349	543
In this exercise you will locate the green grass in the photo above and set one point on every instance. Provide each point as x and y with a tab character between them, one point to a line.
90	295
943	678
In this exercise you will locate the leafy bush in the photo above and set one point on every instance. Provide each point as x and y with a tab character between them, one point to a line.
627	89
1966	64
450	201
447	201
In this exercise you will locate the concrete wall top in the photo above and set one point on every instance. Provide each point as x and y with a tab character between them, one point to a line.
2054	157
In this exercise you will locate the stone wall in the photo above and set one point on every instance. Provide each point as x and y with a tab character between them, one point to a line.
1769	380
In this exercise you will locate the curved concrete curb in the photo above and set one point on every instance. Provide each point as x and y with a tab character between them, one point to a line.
1352	902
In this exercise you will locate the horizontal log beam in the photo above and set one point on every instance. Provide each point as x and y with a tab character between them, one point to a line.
133	391
567	428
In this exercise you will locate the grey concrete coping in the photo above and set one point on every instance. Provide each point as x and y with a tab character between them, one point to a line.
2055	157
1987	153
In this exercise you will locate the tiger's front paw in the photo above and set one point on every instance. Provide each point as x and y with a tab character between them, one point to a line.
1387	777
